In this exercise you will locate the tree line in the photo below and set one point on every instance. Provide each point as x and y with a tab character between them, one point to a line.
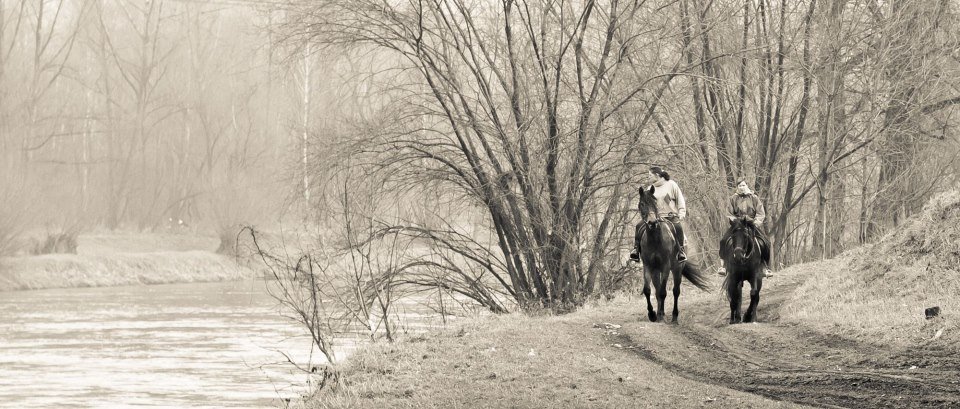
536	120
147	115
502	141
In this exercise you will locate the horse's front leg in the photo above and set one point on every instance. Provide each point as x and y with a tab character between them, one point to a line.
734	292
755	283
646	293
661	294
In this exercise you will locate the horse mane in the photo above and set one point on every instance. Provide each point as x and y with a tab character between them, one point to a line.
743	222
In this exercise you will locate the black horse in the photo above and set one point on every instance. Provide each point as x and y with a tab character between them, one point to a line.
743	256
658	251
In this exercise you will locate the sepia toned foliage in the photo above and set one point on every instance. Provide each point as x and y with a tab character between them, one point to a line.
132	114
505	139
529	113
538	118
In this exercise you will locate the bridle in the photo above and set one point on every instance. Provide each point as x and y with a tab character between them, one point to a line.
647	209
752	239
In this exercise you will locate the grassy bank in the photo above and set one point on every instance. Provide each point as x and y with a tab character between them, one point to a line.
879	293
122	259
876	294
520	361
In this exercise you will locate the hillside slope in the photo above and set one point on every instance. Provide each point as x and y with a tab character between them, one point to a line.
880	292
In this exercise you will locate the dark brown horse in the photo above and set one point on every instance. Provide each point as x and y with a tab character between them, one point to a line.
743	257
659	251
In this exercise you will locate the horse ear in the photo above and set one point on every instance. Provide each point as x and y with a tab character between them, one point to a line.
652	189
733	221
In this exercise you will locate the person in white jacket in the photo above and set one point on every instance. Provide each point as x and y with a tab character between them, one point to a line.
671	206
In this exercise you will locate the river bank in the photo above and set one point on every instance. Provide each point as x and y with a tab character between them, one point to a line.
123	259
518	361
609	355
853	331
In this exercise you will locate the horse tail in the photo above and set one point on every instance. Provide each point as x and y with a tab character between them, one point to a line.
695	275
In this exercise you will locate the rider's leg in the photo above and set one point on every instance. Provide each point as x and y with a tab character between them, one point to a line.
724	253
682	256
765	251
635	255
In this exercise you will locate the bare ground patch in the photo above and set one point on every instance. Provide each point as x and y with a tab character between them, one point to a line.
521	362
795	362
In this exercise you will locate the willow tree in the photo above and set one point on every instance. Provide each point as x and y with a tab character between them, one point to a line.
534	111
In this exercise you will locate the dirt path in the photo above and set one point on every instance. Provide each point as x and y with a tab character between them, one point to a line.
789	362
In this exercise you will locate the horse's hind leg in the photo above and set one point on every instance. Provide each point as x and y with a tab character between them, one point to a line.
755	285
734	292
646	293
676	294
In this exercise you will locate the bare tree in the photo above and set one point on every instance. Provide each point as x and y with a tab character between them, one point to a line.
534	111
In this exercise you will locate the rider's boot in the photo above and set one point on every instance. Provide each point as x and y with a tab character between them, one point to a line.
681	242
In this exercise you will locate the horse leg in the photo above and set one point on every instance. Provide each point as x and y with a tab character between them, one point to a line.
661	295
646	293
734	290
755	283
676	294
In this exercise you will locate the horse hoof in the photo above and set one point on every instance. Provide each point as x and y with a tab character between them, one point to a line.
652	316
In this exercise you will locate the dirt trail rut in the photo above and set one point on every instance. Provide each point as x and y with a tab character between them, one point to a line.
789	362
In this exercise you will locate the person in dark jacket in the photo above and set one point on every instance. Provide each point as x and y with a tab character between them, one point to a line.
745	203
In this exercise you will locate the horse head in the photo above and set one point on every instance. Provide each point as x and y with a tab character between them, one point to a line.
742	241
648	207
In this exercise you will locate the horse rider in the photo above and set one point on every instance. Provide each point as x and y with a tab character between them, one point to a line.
671	206
745	203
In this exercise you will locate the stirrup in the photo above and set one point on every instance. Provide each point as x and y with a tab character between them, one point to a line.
722	271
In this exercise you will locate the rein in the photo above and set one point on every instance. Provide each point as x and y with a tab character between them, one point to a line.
671	227
755	242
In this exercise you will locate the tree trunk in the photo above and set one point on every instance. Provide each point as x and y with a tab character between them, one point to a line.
830	120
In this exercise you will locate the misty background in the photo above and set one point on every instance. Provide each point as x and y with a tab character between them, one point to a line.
201	117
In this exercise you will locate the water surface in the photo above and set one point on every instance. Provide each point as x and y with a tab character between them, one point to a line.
179	345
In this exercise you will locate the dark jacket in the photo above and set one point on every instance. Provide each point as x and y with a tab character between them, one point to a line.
746	205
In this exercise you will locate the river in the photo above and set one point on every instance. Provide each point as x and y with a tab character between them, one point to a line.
179	345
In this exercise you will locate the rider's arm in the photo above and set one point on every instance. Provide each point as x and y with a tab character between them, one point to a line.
761	214
681	202
732	207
